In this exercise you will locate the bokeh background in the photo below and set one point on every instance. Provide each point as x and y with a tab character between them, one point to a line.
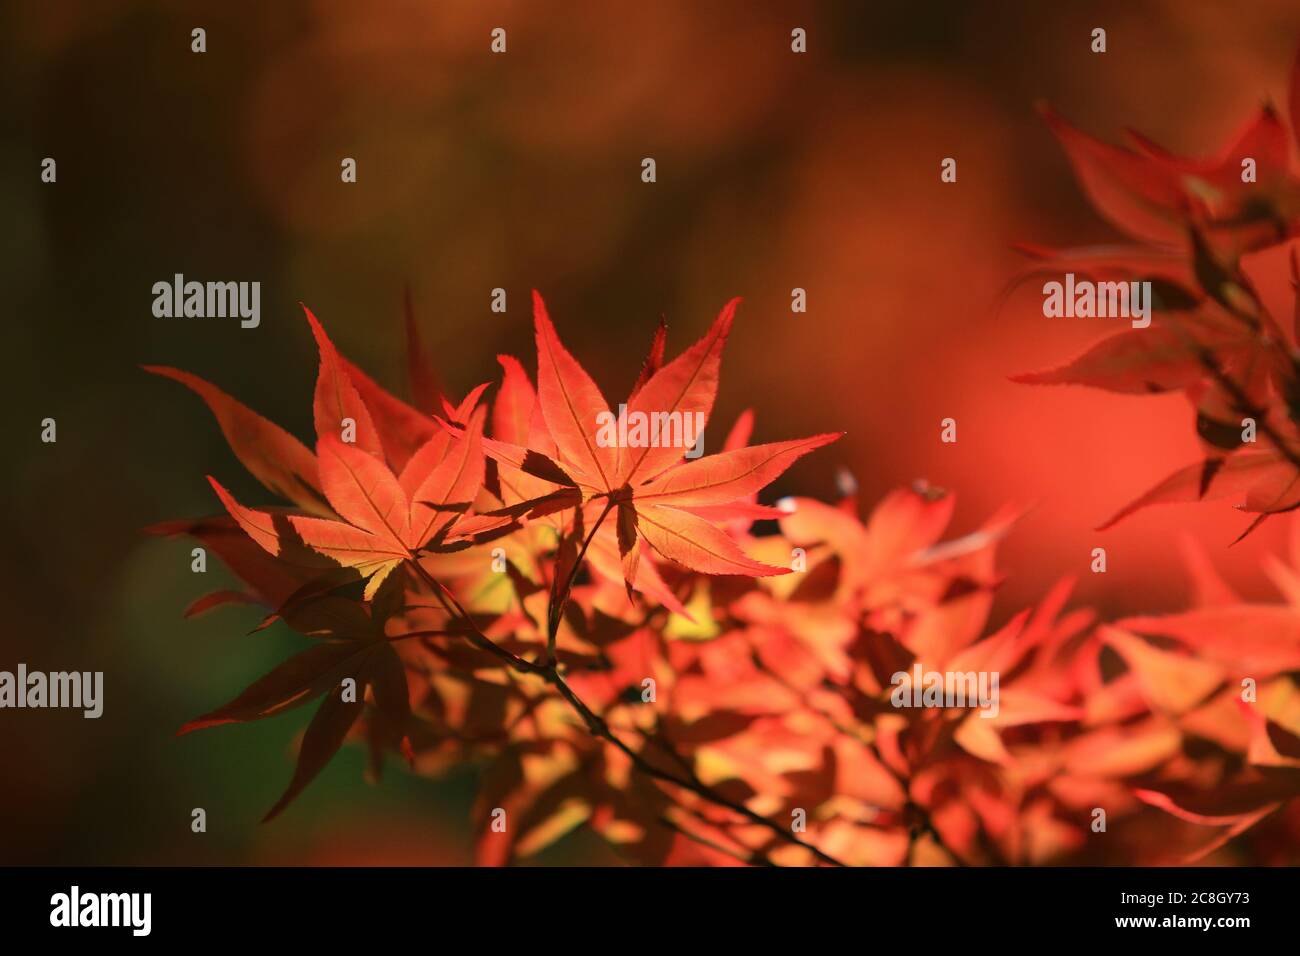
775	170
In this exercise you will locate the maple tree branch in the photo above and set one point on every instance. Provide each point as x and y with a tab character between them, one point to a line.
475	634
600	728
1210	362
926	823
1246	406
667	746
596	724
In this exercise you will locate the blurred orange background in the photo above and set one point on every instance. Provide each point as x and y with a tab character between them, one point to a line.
476	171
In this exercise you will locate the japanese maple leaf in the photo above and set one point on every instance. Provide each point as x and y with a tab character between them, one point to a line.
283	464
383	520
268	581
351	646
1231	371
1228	344
384	425
1154	195
375	519
660	497
1222	638
1232	354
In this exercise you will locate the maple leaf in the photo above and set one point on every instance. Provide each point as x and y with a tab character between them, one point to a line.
337	403
385	520
1263	800
652	485
381	526
1227	338
352	647
268	580
1154	195
771	694
284	465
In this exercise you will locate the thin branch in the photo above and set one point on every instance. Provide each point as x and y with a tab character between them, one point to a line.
600	728
926	823
597	725
1246	406
475	634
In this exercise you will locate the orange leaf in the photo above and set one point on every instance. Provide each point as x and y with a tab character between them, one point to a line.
1138	361
1256	640
686	386
272	581
337	398
1214	478
654	361
513	409
694	543
527	460
724	477
274	457
401	428
572	405
325	734
453	483
364	492
1129	190
1170	682
290	684
273	531
346	545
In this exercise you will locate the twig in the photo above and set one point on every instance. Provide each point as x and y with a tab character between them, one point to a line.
475	634
600	728
597	725
1246	406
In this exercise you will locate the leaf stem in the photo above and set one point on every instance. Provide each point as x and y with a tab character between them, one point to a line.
561	599
475	634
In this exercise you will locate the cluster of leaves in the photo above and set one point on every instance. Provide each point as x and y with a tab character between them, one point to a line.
1217	240
605	632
